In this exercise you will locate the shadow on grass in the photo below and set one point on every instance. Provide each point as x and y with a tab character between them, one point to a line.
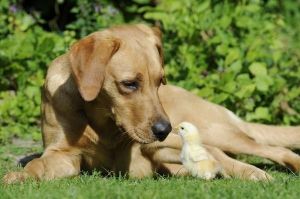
25	160
273	167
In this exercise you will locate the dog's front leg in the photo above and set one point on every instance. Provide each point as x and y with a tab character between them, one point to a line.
166	155
237	169
54	163
167	151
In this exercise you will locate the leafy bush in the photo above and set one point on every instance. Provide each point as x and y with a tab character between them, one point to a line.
92	15
241	54
25	51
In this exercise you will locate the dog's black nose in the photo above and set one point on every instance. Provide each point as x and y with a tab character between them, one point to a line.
161	129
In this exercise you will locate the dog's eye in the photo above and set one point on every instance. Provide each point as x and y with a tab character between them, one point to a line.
132	85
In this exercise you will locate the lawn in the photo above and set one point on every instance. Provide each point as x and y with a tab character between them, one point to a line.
285	185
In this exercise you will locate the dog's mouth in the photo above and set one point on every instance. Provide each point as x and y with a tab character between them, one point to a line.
143	140
137	135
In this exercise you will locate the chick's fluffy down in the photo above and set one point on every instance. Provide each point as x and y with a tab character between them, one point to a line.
205	169
194	156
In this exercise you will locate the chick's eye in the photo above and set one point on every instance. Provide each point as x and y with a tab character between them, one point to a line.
132	85
181	128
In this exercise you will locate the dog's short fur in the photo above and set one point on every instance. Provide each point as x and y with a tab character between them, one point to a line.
102	99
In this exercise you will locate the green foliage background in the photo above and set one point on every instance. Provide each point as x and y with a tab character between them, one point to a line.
242	54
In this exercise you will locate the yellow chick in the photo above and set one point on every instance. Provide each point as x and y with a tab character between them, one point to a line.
194	156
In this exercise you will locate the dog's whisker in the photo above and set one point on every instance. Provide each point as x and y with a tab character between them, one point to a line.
126	134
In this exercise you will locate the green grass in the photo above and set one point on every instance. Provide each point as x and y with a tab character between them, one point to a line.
93	186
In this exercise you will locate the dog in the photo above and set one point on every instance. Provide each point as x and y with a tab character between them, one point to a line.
106	106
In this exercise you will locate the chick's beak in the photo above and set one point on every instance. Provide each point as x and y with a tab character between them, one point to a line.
177	129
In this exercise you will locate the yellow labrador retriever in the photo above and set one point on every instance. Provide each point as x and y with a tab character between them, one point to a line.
105	107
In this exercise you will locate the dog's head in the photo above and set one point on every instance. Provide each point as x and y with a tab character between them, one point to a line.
124	65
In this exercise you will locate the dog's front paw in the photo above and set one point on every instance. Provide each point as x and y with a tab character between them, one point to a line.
15	177
292	162
258	175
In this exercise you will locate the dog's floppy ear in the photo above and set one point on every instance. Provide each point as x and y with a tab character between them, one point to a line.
88	58
158	41
157	32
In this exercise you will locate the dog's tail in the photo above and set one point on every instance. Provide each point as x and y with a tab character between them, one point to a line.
285	136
